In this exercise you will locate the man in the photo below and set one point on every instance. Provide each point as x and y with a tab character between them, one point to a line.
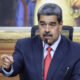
49	56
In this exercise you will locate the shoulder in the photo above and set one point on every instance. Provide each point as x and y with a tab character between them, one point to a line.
29	40
72	49
71	44
76	46
27	44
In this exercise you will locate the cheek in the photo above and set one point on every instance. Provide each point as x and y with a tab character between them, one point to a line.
41	31
55	33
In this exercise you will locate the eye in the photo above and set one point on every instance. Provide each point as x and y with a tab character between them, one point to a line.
52	24
43	24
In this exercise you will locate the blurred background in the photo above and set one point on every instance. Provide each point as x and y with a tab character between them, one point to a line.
21	13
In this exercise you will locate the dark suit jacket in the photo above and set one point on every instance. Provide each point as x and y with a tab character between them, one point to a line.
65	64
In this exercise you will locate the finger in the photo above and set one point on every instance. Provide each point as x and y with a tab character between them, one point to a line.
4	56
7	58
11	59
6	61
6	66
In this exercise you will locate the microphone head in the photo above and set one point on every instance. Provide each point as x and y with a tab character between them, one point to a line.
46	40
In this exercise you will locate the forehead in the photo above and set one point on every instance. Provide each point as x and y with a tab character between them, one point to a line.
48	18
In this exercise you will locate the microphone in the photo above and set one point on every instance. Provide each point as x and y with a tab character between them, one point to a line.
45	42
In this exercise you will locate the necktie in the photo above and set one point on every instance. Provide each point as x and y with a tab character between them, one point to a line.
47	62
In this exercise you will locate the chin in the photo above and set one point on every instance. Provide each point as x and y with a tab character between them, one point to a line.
50	43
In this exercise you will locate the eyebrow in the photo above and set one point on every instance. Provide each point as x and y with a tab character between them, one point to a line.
42	21
52	22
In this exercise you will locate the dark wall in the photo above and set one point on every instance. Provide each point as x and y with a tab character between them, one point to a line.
7	12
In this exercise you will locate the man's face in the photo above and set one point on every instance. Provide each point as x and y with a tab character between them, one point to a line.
49	28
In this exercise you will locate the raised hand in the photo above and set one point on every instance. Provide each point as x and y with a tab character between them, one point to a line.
6	61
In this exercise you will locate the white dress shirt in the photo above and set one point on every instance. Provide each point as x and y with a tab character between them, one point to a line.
53	46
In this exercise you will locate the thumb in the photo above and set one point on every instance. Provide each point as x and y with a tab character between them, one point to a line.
11	59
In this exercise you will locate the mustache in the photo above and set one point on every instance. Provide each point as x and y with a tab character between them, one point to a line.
47	34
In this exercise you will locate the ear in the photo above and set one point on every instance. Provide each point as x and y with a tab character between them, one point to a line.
61	25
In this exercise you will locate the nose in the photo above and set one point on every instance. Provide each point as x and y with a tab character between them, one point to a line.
47	28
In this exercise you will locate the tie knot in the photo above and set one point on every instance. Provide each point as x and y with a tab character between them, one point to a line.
49	48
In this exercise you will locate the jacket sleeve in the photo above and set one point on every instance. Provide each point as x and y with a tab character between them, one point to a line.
6	73
17	66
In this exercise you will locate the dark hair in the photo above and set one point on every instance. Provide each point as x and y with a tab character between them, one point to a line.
50	9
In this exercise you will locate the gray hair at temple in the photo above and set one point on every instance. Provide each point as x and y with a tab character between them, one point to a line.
50	9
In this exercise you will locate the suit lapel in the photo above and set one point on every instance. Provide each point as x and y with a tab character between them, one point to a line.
57	58
38	55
